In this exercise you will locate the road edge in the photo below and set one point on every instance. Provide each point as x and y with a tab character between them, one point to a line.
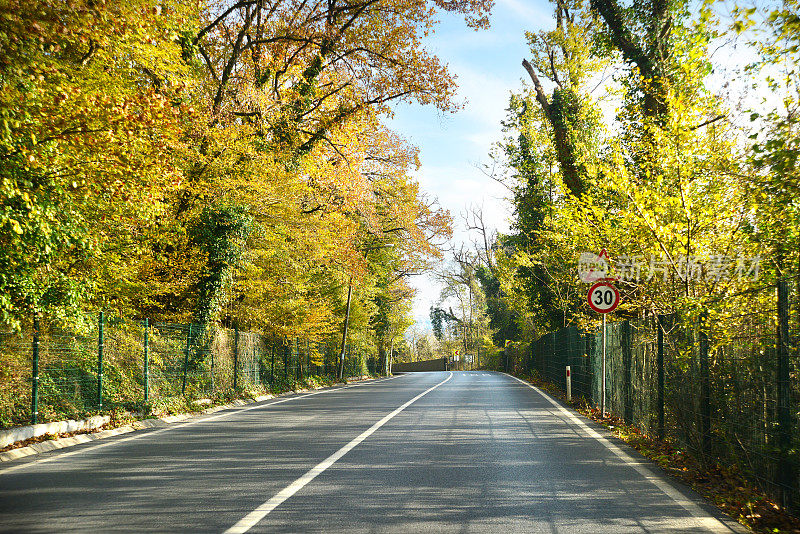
164	423
684	496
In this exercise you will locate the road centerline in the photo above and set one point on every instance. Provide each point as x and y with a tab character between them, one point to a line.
253	518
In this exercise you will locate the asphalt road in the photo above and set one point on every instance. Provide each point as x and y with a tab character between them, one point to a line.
426	452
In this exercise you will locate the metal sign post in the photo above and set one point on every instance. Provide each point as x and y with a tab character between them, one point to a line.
603	298
603	380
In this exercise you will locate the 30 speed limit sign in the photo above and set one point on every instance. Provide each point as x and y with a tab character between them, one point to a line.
603	297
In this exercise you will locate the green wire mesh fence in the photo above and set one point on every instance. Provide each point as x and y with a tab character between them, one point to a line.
723	385
48	374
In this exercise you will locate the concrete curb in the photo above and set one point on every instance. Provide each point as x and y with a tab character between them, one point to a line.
21	433
51	445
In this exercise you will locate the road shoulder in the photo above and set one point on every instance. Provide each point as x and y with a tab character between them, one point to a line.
703	510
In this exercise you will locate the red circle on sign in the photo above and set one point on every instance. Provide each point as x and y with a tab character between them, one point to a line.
603	297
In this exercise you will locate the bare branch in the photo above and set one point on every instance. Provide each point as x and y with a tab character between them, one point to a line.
540	94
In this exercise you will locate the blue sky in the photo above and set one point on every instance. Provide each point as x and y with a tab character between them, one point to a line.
488	64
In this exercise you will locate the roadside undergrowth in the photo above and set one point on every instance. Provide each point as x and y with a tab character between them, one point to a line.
724	486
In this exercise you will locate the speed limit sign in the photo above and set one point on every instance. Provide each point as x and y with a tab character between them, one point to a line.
603	297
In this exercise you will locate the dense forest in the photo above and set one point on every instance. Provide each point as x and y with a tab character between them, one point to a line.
665	132
217	162
228	163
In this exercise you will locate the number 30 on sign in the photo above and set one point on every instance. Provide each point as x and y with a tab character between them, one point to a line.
603	297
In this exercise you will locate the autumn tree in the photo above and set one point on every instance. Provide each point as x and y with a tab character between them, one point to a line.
291	98
664	188
218	162
304	84
551	154
774	176
644	33
566	58
91	135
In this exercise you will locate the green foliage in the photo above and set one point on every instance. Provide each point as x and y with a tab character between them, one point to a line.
83	144
670	181
775	143
438	317
503	321
220	233
153	166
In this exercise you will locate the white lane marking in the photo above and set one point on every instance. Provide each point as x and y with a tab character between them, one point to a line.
709	522
184	424
251	519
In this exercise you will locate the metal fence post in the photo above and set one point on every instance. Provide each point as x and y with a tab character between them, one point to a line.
705	388
186	359
589	370
35	374
235	357
100	346
272	365
258	365
785	478
296	350
285	363
627	369
660	369
146	361
204	336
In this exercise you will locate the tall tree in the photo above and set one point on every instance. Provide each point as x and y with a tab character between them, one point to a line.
662	194
564	56
92	115
773	152
643	33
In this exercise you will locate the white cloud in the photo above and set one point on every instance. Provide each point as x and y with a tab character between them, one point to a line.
486	95
460	186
